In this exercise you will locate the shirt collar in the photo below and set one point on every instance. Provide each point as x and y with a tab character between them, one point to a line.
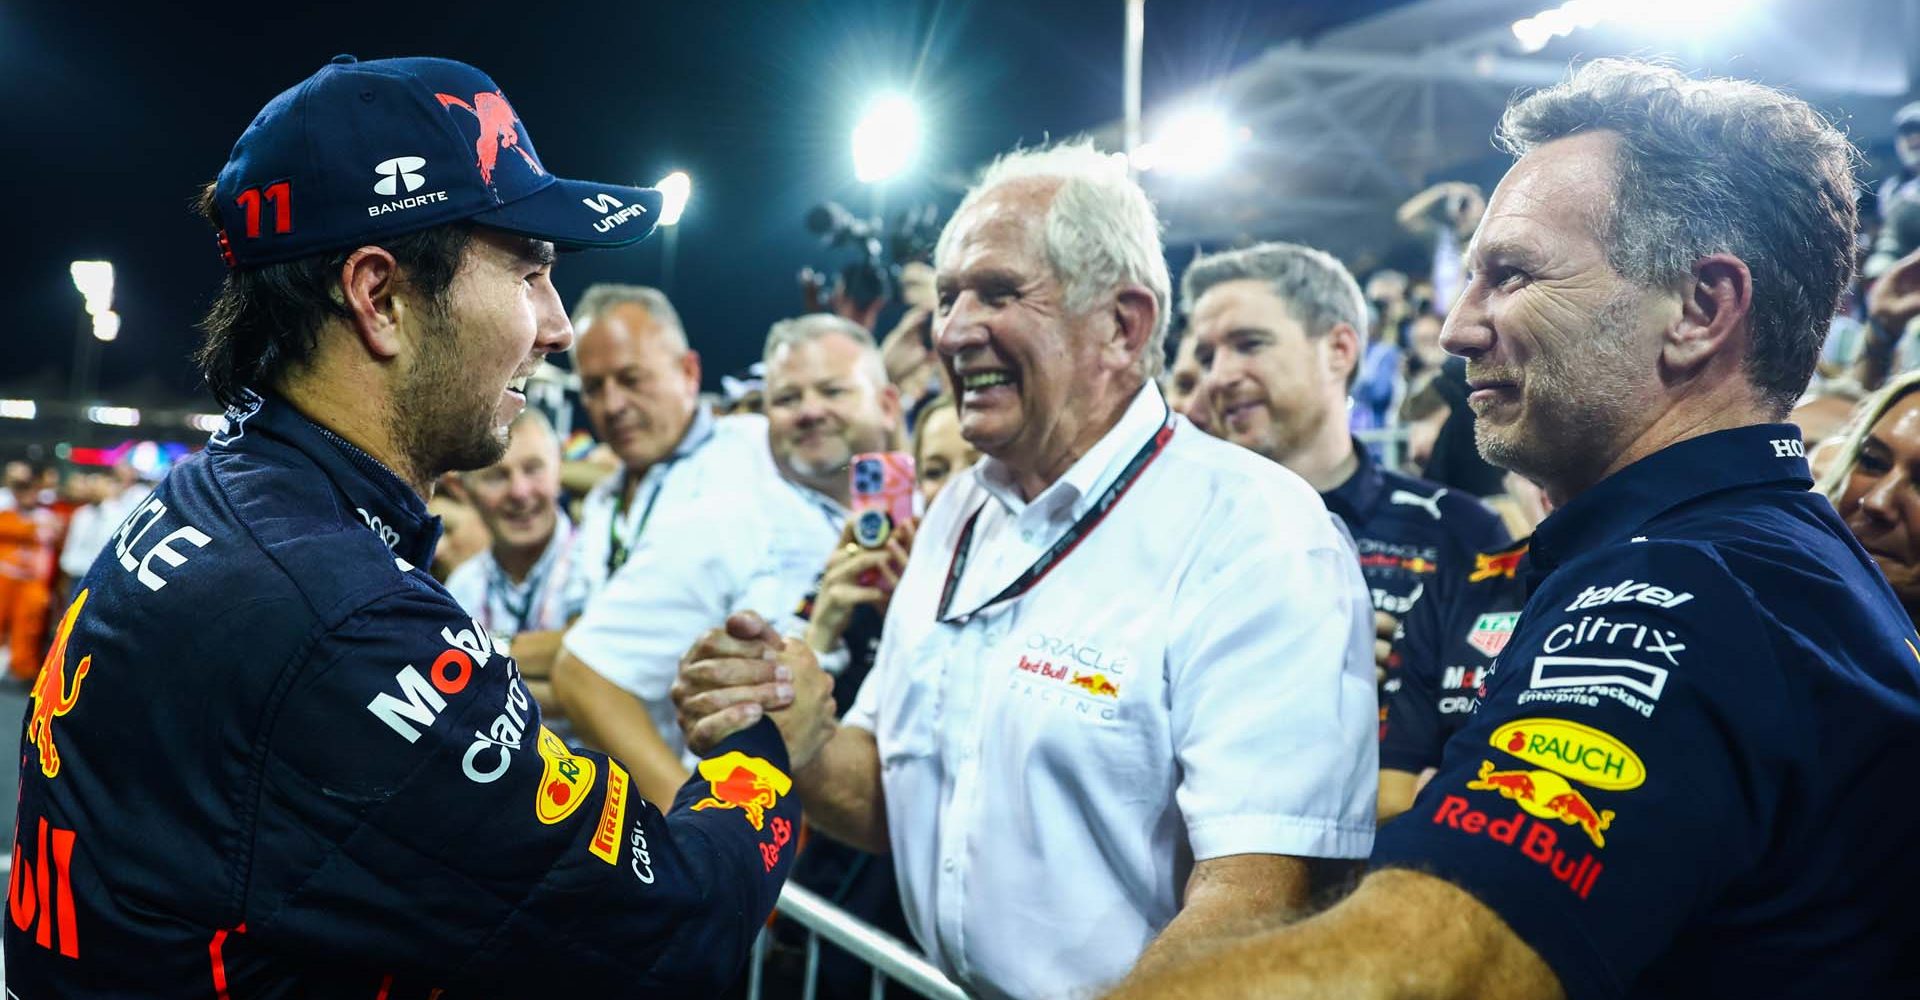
556	544
1619	505
387	505
1095	470
698	432
1355	499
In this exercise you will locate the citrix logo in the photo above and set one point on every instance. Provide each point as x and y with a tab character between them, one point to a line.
400	169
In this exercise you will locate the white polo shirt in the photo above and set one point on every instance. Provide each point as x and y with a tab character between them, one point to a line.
760	552
536	603
717	457
1193	680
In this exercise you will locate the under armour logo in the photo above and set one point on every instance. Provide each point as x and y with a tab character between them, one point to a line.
603	203
1429	504
397	170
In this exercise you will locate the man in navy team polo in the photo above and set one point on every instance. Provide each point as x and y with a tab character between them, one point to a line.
1442	652
1649	292
1277	332
268	754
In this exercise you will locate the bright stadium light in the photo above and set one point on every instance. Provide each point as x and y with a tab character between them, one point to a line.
208	422
887	139
106	326
675	189
116	416
1192	141
1534	33
94	279
18	409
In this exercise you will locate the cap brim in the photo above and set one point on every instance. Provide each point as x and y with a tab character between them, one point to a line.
580	215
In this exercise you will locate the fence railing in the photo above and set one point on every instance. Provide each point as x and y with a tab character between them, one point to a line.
890	958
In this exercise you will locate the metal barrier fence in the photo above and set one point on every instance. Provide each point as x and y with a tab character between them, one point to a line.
889	957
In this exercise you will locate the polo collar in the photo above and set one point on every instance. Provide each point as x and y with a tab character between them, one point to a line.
1618	506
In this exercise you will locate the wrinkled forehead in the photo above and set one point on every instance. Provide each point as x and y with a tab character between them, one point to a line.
1562	190
827	357
1006	224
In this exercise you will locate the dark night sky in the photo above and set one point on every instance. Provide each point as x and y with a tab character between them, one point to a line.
116	112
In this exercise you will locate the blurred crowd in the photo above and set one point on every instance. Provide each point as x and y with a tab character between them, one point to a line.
688	524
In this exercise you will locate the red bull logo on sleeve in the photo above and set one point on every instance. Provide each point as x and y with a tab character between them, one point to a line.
499	130
53	695
1582	753
564	780
749	784
1538	842
1500	564
1548	796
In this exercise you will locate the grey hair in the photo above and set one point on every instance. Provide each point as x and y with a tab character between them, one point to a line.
1100	230
1317	289
813	326
1716	166
601	297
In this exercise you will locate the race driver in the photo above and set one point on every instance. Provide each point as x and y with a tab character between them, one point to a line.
269	755
1649	291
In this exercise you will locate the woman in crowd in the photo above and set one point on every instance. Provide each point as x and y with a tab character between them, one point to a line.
1874	482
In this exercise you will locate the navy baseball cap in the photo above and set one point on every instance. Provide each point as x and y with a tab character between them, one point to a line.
364	151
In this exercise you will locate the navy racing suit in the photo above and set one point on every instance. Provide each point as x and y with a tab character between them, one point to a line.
270	756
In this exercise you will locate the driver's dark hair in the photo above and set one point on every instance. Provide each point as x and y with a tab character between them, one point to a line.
264	321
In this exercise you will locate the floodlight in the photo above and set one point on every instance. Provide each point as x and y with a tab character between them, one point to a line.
1533	33
887	139
675	189
18	409
106	326
94	279
1192	141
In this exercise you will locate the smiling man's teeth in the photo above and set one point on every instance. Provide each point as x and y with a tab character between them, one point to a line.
985	380
519	385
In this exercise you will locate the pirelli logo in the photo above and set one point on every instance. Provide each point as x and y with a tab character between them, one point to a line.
613	816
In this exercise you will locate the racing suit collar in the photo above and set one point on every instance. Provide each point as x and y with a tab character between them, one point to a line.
388	506
1355	499
1618	506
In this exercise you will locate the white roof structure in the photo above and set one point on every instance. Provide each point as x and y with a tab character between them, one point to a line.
1339	131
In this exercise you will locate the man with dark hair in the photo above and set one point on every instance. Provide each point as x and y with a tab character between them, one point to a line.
1674	784
269	754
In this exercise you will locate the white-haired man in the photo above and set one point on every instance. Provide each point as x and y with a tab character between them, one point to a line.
828	399
1124	689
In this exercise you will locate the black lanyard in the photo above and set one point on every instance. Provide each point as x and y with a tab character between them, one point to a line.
1076	534
535	584
618	548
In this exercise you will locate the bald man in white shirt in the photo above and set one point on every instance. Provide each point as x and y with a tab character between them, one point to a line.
1125	690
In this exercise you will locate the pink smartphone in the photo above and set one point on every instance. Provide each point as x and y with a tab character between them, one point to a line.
883	492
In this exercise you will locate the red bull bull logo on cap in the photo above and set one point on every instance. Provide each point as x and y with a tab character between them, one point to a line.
53	695
499	130
749	784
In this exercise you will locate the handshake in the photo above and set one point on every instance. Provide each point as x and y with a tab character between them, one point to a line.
736	674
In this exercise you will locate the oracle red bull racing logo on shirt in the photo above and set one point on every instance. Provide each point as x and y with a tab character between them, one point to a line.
749	784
